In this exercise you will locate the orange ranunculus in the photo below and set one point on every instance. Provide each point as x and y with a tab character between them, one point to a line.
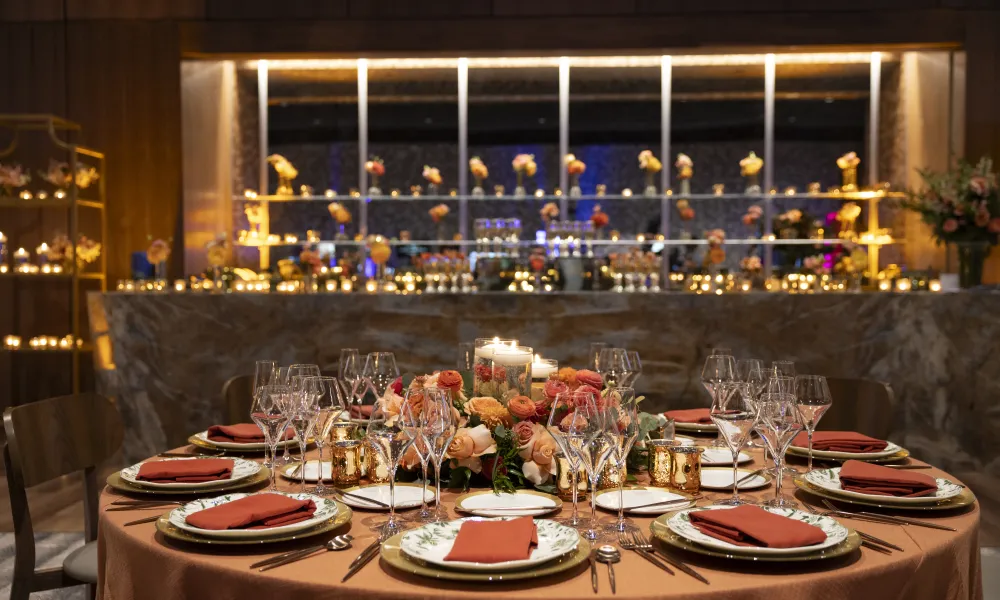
600	219
568	376
554	387
716	255
588	377
521	407
451	380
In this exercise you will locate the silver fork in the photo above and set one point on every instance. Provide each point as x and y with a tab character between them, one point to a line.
625	543
879	544
647	544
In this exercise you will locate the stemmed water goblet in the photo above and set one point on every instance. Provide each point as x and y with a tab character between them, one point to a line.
286	376
595	354
751	372
718	369
813	399
379	372
560	418
613	366
635	367
623	431
301	410
734	412
783	368
589	434
264	374
268	413
386	435
420	430
441	424
778	423
330	408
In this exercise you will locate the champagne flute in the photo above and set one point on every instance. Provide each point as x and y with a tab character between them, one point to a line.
589	434
297	370
612	365
560	417
442	424
784	368
635	367
268	413
780	384
466	356
735	414
416	425
718	369
778	424
330	408
349	370
813	399
595	354
264	374
751	372
379	372
386	435
623	430
302	413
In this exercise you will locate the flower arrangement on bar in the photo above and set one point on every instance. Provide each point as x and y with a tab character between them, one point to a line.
157	255
751	265
749	168
549	212
433	177
794	224
716	253
599	219
375	168
848	165
650	166
574	168
342	217
438	214
685	171
286	174
11	178
58	175
962	208
479	172
524	166
847	216
310	262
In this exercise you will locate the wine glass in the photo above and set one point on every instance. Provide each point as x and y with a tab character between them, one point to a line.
379	372
718	369
330	408
416	425
813	399
751	372
595	354
268	413
735	413
560	418
612	364
264	373
589	437
386	435
784	368
623	430
301	411
466	356
635	367
297	370
778	424
441	426
722	351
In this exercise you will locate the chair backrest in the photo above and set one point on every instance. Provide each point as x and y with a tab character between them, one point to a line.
238	396
861	405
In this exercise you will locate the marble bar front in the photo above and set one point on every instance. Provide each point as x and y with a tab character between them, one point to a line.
173	352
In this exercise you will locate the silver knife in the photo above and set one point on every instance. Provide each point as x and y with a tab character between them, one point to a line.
903	520
365	558
593	570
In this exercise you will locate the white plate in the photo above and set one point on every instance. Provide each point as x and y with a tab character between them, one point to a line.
685	441
257	446
242	469
312	470
480	504
432	542
722	479
696	427
835	532
325	509
722	456
889	451
407	496
608	500
829	479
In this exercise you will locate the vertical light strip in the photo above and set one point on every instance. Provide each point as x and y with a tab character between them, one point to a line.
768	157
262	175
363	144
873	131
463	146
666	81
563	133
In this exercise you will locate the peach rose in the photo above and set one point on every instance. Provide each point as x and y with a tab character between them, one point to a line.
554	387
536	473
523	432
461	445
450	380
481	404
572	419
588	377
545	450
482	440
521	407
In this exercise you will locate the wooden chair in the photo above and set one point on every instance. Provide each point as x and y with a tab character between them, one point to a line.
238	396
46	440
861	405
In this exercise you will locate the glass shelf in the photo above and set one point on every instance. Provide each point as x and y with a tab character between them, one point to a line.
618	242
853	196
54	276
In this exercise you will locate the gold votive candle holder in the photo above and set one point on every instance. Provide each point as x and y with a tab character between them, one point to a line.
612	476
345	462
685	470
342	431
564	480
376	469
661	461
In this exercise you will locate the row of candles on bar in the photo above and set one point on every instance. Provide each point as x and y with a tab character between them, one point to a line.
41	195
22	260
795	283
43	342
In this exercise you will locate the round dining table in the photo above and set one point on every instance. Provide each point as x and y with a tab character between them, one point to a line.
139	563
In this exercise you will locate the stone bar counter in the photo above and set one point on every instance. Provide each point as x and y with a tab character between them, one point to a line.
173	352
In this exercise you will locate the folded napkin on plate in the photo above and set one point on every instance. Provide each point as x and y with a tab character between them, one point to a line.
753	526
194	470
840	441
241	433
866	478
495	541
691	415
362	412
259	511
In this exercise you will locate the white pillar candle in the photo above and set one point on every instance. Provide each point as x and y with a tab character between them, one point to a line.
512	357
542	368
21	256
486	348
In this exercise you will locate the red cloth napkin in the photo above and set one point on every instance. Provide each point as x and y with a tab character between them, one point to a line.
194	470
241	433
840	441
866	478
362	412
691	415
259	511
753	526
495	541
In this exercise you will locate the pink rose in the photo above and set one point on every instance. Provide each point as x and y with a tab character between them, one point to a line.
982	217
587	377
950	226
554	387
523	432
994	225
397	386
522	407
583	394
979	186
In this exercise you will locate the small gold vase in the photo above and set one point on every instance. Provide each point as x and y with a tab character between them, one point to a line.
376	470
341	431
564	483
661	461
850	175
345	463
612	476
685	472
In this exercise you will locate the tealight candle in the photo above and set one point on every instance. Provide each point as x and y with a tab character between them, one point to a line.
903	285
12	342
21	257
180	285
486	348
42	252
331	285
57	269
542	368
934	285
884	285
346	285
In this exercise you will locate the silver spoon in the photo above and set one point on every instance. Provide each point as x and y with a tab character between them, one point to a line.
609	555
340	542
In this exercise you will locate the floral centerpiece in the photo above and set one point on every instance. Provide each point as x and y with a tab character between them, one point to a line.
751	265
650	166
58	174
434	179
375	169
286	173
962	208
749	168
524	166
157	255
549	212
342	217
574	167
479	172
12	177
848	165
685	171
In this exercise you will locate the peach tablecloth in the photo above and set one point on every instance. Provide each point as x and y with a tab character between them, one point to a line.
136	563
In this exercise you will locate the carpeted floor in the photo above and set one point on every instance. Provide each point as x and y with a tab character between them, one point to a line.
50	550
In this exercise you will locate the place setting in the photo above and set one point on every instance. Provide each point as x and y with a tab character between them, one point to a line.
189	476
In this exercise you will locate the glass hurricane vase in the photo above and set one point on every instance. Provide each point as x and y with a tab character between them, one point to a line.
971	258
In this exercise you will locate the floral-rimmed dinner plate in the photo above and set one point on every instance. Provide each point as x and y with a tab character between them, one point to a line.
407	496
890	450
663	533
966	498
721	478
397	559
325	510
829	480
487	503
696	427
642	496
680	523
430	543
722	456
242	469
201	439
341	518
291	471
116	482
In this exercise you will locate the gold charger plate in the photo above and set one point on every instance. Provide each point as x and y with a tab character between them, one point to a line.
343	516
197	442
392	555
898	456
696	427
966	498
533	512
663	533
116	482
